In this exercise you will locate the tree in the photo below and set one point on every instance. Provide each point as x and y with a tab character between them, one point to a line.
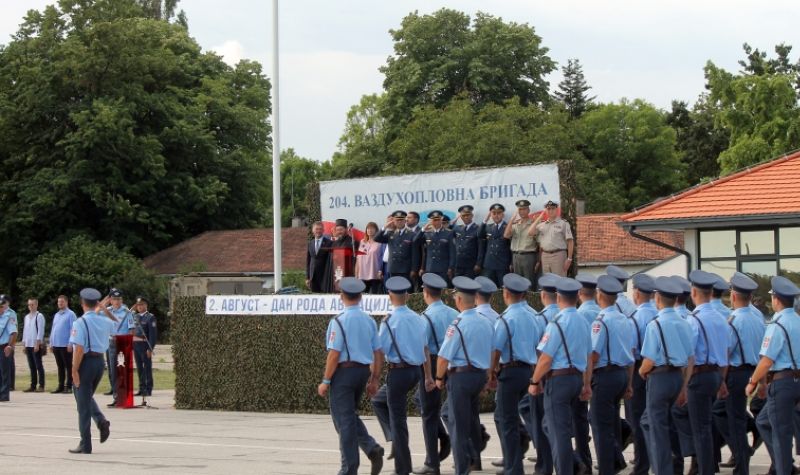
296	173
362	146
698	138
572	90
443	55
117	126
631	149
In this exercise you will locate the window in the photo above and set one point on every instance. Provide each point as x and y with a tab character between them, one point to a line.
789	239
717	244
724	268
762	251
757	242
760	267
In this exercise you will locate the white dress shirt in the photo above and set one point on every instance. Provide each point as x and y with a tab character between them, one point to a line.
30	332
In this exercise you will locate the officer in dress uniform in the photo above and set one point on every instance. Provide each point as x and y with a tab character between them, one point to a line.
123	325
779	367
8	338
353	345
404	255
745	334
667	360
611	365
145	334
645	312
438	248
437	318
694	421
514	356
524	245
497	257
623	304
564	352
89	339
467	244
464	359
402	339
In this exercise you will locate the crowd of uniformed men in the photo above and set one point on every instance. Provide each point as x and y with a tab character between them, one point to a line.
684	377
79	345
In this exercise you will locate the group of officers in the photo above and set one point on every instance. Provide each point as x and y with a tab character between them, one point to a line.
684	377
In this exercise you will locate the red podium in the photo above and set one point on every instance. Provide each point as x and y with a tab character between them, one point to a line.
124	379
343	264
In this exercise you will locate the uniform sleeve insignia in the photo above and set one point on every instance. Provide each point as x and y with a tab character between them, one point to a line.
450	331
332	337
74	332
546	338
766	342
596	328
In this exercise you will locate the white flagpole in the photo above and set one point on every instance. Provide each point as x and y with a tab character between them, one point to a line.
276	155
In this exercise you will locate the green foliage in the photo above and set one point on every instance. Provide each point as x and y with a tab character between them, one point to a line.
117	126
698	139
279	359
81	262
572	90
296	173
631	150
362	147
296	279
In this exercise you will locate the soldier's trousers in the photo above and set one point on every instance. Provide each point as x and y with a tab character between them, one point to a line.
634	408
347	387
144	367
6	363
512	386
432	426
662	391
90	372
399	382
495	275
531	408
731	418
776	422
694	421
608	389
560	394
463	391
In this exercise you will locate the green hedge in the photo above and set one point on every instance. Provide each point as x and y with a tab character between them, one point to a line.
256	363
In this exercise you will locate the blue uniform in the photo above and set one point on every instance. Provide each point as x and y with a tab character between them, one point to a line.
437	317
8	326
612	334
468	247
468	352
694	421
145	334
439	251
404	255
497	254
515	336
639	318
122	326
589	311
720	307
531	408
92	332
409	333
745	334
624	304
485	310
567	332
668	343
683	311
775	422
360	333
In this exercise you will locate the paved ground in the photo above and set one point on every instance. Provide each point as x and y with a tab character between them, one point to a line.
38	428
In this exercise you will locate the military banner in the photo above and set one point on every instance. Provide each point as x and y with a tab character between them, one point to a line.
298	304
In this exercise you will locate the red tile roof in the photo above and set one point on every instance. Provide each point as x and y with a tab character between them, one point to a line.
234	252
601	241
772	188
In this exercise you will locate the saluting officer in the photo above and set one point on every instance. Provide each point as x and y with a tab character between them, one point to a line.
123	318
403	341
564	351
611	365
645	312
437	248
467	244
694	421
144	344
404	255
515	336
89	339
464	358
745	334
524	246
680	300
667	359
437	318
780	368
497	259
556	243
623	304
353	345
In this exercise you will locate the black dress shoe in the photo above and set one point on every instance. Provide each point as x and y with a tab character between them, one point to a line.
425	470
484	439
111	404
757	441
476	467
444	447
105	430
80	450
497	462
109	393
140	393
68	391
728	463
376	458
57	391
29	390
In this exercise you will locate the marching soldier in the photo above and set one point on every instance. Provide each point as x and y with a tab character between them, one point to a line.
483	299
667	360
513	358
437	247
589	311
464	359
717	292
564	351
779	367
497	257
694	421
611	365
681	299
524	246
589	308
745	334
402	339
467	244
89	339
623	304
347	373
144	343
404	257
437	318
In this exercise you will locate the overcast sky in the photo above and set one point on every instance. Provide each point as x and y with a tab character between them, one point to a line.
331	50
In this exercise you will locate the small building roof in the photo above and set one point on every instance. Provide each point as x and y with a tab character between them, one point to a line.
239	251
601	241
766	192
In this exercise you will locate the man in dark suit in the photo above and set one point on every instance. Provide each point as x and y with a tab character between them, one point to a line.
317	256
